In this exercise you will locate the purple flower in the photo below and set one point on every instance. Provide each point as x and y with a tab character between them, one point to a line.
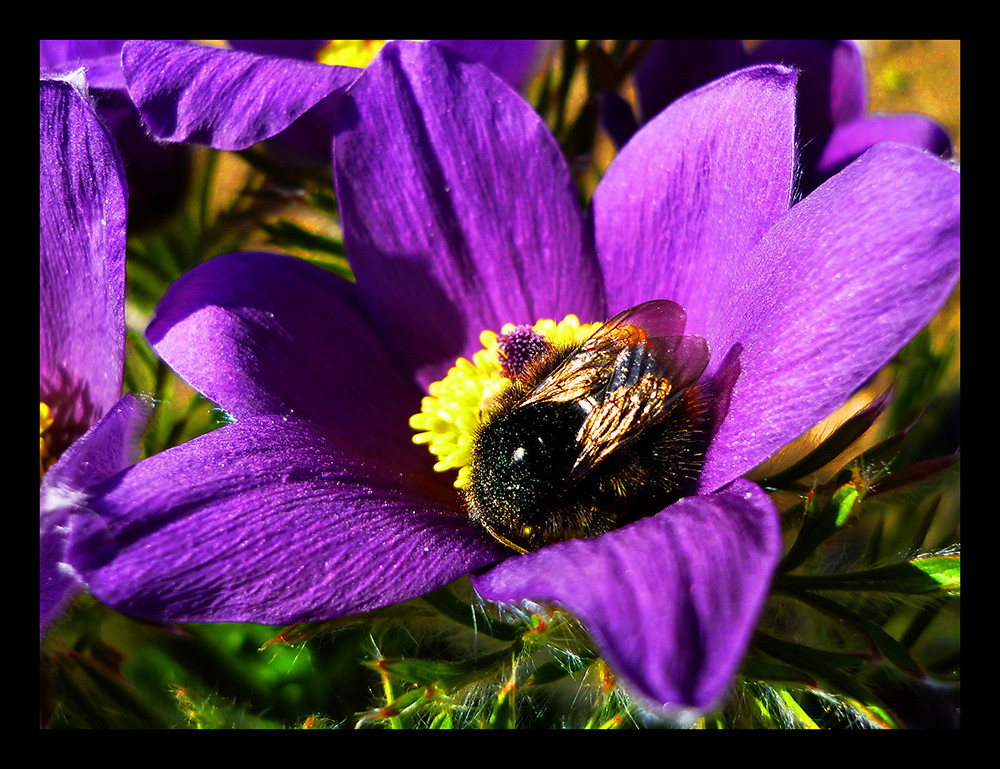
82	212
834	125
230	99
459	215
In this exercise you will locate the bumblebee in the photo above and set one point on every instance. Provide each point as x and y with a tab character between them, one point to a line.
587	438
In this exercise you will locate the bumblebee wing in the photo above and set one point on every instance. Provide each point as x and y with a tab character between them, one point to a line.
648	340
658	318
626	376
678	359
656	347
588	368
645	382
584	371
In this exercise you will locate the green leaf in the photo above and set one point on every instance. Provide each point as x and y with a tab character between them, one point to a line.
446	675
442	720
321	250
928	574
887	646
834	673
914	473
833	446
556	670
821	521
78	691
464	613
423	672
503	714
805	720
781	675
923	370
287	233
406	701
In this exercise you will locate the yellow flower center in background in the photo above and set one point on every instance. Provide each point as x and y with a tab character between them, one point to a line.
45	422
451	413
350	53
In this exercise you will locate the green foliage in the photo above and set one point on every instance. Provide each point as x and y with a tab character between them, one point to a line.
868	590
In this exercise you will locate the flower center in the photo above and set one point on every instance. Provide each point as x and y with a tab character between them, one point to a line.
350	53
45	421
452	412
561	431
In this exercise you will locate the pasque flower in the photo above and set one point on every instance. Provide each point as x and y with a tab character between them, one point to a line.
460	215
88	431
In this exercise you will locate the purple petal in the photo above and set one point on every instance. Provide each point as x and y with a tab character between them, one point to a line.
833	85
459	211
694	190
101	58
156	172
109	447
264	521
515	61
82	213
307	50
848	141
833	121
838	286
263	333
832	88
226	99
672	68
58	583
671	601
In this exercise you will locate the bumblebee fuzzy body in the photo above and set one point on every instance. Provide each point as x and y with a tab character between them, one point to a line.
589	437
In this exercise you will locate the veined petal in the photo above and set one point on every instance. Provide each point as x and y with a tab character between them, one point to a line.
832	94
263	333
838	286
83	208
458	207
226	99
694	190
265	521
110	446
671	601
101	58
107	448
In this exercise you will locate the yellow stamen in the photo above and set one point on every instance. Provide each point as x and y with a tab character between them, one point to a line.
44	441
451	413
350	53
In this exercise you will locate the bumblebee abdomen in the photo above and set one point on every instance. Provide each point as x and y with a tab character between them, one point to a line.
522	463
